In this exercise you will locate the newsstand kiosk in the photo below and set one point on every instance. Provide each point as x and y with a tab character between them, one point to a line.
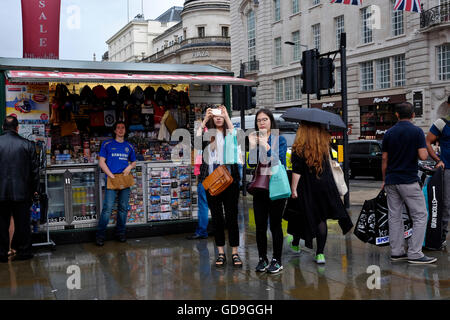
69	107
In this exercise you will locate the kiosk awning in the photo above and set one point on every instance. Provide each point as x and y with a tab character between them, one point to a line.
46	76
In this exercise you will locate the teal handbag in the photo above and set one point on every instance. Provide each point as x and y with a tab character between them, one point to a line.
279	187
231	148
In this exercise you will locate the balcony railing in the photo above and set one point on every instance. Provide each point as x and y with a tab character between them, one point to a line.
251	66
205	40
435	16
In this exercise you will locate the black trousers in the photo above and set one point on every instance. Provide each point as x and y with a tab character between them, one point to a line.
21	241
267	210
226	201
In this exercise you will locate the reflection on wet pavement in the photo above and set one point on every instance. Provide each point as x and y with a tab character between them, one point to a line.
172	268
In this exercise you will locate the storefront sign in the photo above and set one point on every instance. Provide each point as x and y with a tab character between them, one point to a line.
381	100
327	105
40	25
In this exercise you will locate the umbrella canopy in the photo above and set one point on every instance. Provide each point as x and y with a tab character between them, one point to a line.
314	115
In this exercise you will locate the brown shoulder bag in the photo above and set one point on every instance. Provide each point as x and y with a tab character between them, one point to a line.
218	181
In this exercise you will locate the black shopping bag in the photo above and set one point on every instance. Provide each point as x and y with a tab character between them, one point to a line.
373	225
433	190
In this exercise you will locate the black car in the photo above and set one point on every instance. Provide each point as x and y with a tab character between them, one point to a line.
365	158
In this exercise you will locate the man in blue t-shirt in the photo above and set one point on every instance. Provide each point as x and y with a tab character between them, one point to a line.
440	131
403	145
116	156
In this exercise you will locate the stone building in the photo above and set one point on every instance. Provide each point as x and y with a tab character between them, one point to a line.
392	56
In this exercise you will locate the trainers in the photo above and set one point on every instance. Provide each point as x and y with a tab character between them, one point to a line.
262	265
275	266
320	258
293	248
423	260
399	258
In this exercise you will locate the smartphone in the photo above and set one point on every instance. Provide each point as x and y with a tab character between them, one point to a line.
216	112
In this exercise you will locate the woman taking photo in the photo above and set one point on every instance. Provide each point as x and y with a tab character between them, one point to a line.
314	188
275	147
228	199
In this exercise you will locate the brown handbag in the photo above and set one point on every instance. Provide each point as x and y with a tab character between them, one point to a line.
260	182
218	181
120	182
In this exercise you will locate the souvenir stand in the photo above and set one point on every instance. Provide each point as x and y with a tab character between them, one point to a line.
74	104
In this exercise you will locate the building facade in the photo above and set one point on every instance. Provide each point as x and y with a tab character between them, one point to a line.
134	41
392	56
201	37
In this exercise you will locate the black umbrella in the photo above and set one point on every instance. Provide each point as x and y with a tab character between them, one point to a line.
314	115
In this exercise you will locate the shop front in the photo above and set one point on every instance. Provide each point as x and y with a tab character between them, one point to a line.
69	108
377	115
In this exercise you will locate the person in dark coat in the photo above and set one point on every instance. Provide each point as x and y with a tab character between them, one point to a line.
314	193
19	181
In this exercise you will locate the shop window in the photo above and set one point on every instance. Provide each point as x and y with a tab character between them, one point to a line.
376	120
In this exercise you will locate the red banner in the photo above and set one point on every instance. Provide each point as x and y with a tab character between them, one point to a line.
40	23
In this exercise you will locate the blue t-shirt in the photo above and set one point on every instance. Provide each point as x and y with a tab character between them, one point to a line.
117	155
402	142
444	143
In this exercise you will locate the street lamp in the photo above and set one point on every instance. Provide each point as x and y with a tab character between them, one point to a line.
301	45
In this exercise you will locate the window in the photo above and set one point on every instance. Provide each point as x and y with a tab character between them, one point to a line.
315	2
366	76
278	59
397	21
339	26
399	71
316	36
288	89
383	74
444	62
278	90
277	10
296	48
297	87
366	18
225	32
201	32
251	35
295	6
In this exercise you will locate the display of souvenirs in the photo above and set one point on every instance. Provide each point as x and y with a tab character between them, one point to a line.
168	199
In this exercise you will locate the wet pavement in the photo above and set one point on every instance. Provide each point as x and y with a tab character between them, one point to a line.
173	268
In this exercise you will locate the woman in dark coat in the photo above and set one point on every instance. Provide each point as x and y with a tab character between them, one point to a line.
314	191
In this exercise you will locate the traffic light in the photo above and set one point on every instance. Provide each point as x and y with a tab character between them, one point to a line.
326	73
310	70
239	97
251	98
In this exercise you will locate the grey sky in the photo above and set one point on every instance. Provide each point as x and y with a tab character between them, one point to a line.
98	21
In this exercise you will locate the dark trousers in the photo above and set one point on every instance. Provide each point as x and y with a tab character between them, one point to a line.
228	201
21	241
267	210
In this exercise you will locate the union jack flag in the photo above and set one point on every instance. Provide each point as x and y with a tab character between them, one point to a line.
408	5
354	2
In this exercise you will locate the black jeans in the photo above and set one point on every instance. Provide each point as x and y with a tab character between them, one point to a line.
21	241
228	201
266	209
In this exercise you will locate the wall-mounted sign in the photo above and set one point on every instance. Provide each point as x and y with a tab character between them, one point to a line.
418	103
380	100
200	54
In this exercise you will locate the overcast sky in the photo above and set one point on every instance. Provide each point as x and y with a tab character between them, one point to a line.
98	21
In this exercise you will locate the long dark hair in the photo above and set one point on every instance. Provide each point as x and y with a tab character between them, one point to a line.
273	124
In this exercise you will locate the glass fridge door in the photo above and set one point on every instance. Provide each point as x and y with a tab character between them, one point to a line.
56	204
84	199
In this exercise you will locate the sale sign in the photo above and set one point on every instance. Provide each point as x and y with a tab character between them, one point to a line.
40	24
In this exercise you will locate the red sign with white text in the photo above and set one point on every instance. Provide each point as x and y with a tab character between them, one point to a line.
40	24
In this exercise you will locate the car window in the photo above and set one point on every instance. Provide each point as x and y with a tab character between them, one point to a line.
359	148
375	148
290	138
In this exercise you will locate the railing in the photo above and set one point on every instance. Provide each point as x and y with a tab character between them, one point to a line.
192	41
434	16
251	66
